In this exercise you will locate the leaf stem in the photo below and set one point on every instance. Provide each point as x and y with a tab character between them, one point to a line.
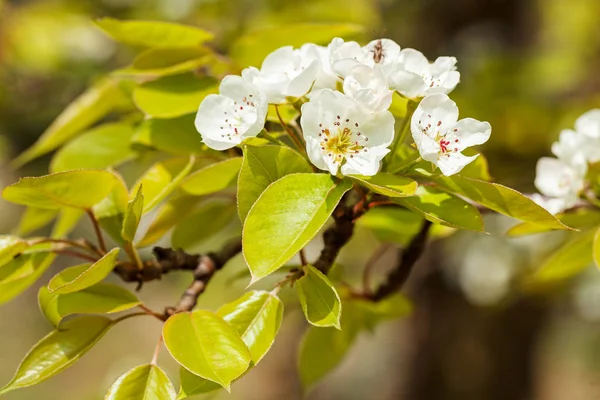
290	132
133	255
101	242
302	255
400	136
127	316
272	138
157	350
76	254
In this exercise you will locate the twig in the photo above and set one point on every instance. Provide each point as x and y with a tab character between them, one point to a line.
150	312
302	255
377	254
157	350
127	316
291	133
400	136
97	230
76	254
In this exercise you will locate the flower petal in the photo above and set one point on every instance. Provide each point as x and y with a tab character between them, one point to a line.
589	123
365	163
471	132
453	163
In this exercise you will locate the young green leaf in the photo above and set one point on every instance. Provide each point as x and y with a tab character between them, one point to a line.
388	184
176	136
162	178
79	189
208	220
79	277
146	382
288	214
35	218
99	148
261	167
101	298
154	33
319	299
392	224
596	248
169	214
443	208
173	96
133	215
256	317
22	272
66	222
10	246
110	212
86	109
580	218
58	350
192	385
206	345
158	62
213	178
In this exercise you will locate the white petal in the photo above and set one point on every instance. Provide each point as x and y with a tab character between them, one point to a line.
378	128
471	132
554	178
302	83
413	61
407	83
452	163
391	50
315	155
369	88
365	163
436	110
589	123
428	148
209	121
279	60
552	204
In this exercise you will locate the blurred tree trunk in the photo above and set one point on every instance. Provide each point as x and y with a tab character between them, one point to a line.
472	353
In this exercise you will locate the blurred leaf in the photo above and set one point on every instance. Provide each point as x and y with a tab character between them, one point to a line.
133	215
213	178
101	147
262	166
58	350
159	62
79	277
581	218
288	214
66	222
169	214
35	218
101	298
162	178
173	96
206	345
89	107
596	248
477	169
287	111
443	208
79	189
256	317
22	272
193	385
146	382
388	184
392	224
573	257
153	33
175	136
208	220
253	47
319	300
110	212
10	246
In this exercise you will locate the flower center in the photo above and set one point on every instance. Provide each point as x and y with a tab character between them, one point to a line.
243	116
341	141
447	140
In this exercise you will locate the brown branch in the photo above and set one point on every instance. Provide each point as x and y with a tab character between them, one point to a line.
97	230
408	257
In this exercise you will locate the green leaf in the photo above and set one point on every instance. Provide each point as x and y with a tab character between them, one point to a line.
79	277
153	33
207	346
596	248
174	136
209	219
193	384
478	169
288	214
169	214
79	189
101	298
58	350
35	218
572	258
392	224
173	96
133	216
10	246
99	148
213	178
161	179
320	301
66	222
261	167
89	107
22	272
253	47
580	218
443	208
388	184
146	382
158	62
501	199
256	317
110	212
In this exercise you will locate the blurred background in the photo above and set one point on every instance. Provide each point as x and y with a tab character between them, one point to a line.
529	67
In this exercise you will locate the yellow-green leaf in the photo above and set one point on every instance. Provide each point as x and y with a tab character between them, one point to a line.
35	218
392	224
79	189
58	350
110	212
10	246
213	178
193	385
207	346
158	62
208	220
388	184
146	382
133	215
580	218
176	136
79	277
22	272
319	299
67	221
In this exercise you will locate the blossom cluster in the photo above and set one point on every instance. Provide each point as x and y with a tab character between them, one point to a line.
346	91
561	180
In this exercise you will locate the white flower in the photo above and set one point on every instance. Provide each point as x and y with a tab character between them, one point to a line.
346	55
238	112
287	73
552	204
368	87
440	137
573	145
414	76
326	78
589	124
339	133
560	181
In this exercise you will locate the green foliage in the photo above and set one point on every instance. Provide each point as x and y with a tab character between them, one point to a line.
10	246
110	212
159	62
194	385
320	301
175	136
392	224
169	214
133	215
213	178
146	382
288	214
208	220
22	272
388	184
